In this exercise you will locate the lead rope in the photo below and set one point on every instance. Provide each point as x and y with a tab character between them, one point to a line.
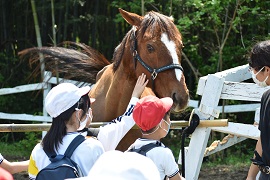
194	121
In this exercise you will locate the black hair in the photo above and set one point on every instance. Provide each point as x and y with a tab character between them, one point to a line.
260	55
58	130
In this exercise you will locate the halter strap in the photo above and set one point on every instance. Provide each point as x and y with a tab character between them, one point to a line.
154	72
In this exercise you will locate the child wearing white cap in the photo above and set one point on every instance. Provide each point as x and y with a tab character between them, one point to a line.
151	114
69	106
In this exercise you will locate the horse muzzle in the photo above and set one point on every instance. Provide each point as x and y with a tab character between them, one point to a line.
179	102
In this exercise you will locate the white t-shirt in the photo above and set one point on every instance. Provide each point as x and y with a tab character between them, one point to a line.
161	156
86	154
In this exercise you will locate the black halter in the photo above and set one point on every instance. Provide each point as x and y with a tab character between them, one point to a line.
154	72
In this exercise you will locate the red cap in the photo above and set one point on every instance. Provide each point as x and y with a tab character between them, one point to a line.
149	111
5	175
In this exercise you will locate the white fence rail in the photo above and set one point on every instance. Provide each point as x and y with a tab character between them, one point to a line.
46	85
213	87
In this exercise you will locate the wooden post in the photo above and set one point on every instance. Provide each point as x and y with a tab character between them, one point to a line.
207	110
47	76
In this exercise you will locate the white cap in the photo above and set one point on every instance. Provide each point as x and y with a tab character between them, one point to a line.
62	97
116	165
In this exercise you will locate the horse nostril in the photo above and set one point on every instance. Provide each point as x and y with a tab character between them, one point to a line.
174	97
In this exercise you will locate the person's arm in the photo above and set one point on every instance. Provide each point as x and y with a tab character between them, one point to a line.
111	134
253	169
177	177
13	167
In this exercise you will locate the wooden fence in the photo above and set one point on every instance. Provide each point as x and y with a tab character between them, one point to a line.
227	84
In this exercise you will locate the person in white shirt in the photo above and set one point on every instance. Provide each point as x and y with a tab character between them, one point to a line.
69	106
151	114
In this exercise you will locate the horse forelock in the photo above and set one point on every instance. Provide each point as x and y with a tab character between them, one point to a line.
155	24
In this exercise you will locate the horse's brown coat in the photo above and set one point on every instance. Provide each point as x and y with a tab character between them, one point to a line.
113	89
115	82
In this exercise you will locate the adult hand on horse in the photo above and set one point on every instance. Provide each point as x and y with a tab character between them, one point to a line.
139	86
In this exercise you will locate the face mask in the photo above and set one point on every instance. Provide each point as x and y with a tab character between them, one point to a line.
169	125
82	123
259	83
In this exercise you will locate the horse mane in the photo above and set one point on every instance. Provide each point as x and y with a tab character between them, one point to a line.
153	22
119	51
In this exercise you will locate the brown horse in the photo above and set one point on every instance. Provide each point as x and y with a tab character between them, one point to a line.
152	46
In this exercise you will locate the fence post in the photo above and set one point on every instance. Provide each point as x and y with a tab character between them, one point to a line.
199	138
47	76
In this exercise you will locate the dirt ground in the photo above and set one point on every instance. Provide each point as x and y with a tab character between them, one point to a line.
223	172
220	172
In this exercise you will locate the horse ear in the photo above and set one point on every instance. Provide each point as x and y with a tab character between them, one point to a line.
131	18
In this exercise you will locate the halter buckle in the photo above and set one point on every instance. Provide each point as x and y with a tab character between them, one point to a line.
134	53
154	74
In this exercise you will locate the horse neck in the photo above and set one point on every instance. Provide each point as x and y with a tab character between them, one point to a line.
124	78
125	75
118	96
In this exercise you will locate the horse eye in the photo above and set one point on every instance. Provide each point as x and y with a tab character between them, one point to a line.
150	48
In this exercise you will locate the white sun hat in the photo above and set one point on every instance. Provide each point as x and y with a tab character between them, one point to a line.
117	165
62	97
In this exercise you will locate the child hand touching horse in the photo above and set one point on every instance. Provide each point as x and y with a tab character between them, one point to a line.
122	124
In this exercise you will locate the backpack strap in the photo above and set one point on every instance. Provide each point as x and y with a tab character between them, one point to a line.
50	155
144	149
73	145
53	156
71	148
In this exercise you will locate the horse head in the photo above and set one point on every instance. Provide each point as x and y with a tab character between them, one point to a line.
154	45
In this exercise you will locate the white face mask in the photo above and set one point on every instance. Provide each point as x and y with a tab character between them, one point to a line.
169	124
259	83
159	126
84	122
